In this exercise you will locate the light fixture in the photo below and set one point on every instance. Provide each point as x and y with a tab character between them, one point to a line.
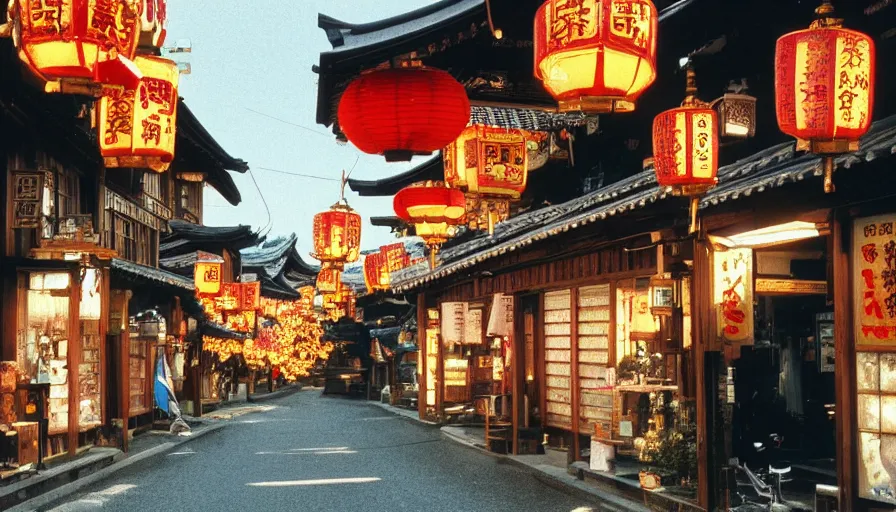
773	235
737	112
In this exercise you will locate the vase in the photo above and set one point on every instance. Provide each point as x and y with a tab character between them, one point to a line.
642	379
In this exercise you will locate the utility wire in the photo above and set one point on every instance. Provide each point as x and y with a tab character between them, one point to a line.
297	174
284	121
263	200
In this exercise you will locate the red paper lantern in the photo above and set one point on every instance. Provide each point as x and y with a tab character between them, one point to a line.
399	113
433	209
329	279
376	272
337	235
824	86
80	41
686	147
596	55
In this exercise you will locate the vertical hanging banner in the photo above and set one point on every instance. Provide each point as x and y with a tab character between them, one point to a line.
27	197
473	327
453	317
733	294
874	278
500	318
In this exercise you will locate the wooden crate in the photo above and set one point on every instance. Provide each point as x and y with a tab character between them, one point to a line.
28	434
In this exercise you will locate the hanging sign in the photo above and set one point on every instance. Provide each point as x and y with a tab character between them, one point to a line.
207	277
453	317
874	275
473	327
733	294
239	297
500	318
28	192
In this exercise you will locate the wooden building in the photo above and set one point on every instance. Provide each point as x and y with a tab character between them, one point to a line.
617	311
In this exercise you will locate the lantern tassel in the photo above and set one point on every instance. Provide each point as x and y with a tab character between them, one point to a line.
829	175
695	204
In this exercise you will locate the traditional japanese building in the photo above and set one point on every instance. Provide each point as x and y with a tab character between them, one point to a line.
601	322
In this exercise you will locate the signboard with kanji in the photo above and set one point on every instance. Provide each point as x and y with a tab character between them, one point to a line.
874	278
733	294
27	195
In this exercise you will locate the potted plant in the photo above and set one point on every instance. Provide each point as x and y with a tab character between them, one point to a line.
627	370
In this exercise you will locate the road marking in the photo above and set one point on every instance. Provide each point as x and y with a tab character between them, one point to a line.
327	481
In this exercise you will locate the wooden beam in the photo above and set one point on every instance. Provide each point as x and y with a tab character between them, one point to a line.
124	372
517	371
844	360
74	359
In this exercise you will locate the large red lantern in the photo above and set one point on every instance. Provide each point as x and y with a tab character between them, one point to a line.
399	113
433	209
337	235
824	87
686	147
137	127
78	41
596	55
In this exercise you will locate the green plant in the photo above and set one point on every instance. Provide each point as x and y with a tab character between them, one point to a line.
677	451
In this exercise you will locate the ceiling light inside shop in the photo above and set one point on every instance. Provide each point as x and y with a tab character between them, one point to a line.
782	233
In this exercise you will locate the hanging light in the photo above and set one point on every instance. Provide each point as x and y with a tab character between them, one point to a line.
596	56
402	112
75	42
376	272
686	147
824	87
737	112
337	233
491	166
137	127
433	208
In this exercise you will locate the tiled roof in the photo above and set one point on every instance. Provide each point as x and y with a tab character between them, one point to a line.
773	167
141	273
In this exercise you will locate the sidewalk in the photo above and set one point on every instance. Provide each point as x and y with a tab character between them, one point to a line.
65	478
549	468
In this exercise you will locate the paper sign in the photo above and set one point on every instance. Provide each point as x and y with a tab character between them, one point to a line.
733	294
874	277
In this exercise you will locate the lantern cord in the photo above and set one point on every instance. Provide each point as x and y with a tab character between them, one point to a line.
312	130
297	174
497	32
263	201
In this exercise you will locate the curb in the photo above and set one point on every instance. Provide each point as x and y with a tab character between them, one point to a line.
121	462
410	415
603	500
290	390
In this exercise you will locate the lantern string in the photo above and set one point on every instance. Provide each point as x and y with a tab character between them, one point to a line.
284	121
263	201
301	175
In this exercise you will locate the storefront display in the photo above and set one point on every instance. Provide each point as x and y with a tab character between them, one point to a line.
90	414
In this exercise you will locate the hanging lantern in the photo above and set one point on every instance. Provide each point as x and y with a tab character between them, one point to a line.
78	42
399	113
337	235
137	127
596	56
376	272
207	277
152	23
433	209
686	147
491	166
737	112
824	87
329	279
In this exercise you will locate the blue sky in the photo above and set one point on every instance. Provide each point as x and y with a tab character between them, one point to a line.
258	55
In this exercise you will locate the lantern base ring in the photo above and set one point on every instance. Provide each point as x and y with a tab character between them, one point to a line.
691	190
827	147
595	105
398	155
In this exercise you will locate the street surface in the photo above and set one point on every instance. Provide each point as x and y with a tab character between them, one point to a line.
314	453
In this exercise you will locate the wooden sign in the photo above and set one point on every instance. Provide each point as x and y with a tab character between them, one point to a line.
239	296
207	277
874	278
733	294
791	287
27	197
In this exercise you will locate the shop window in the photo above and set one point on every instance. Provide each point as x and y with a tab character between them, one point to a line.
876	379
134	241
636	325
138	359
89	376
42	348
558	343
593	342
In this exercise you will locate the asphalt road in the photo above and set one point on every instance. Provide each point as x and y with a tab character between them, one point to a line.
316	453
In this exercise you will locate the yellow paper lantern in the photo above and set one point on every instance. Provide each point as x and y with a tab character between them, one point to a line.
207	276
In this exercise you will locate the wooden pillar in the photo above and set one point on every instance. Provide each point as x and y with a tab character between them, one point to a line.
105	307
74	358
844	360
124	373
702	319
422	353
540	362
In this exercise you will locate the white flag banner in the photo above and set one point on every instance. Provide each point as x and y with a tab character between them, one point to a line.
500	318
453	318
